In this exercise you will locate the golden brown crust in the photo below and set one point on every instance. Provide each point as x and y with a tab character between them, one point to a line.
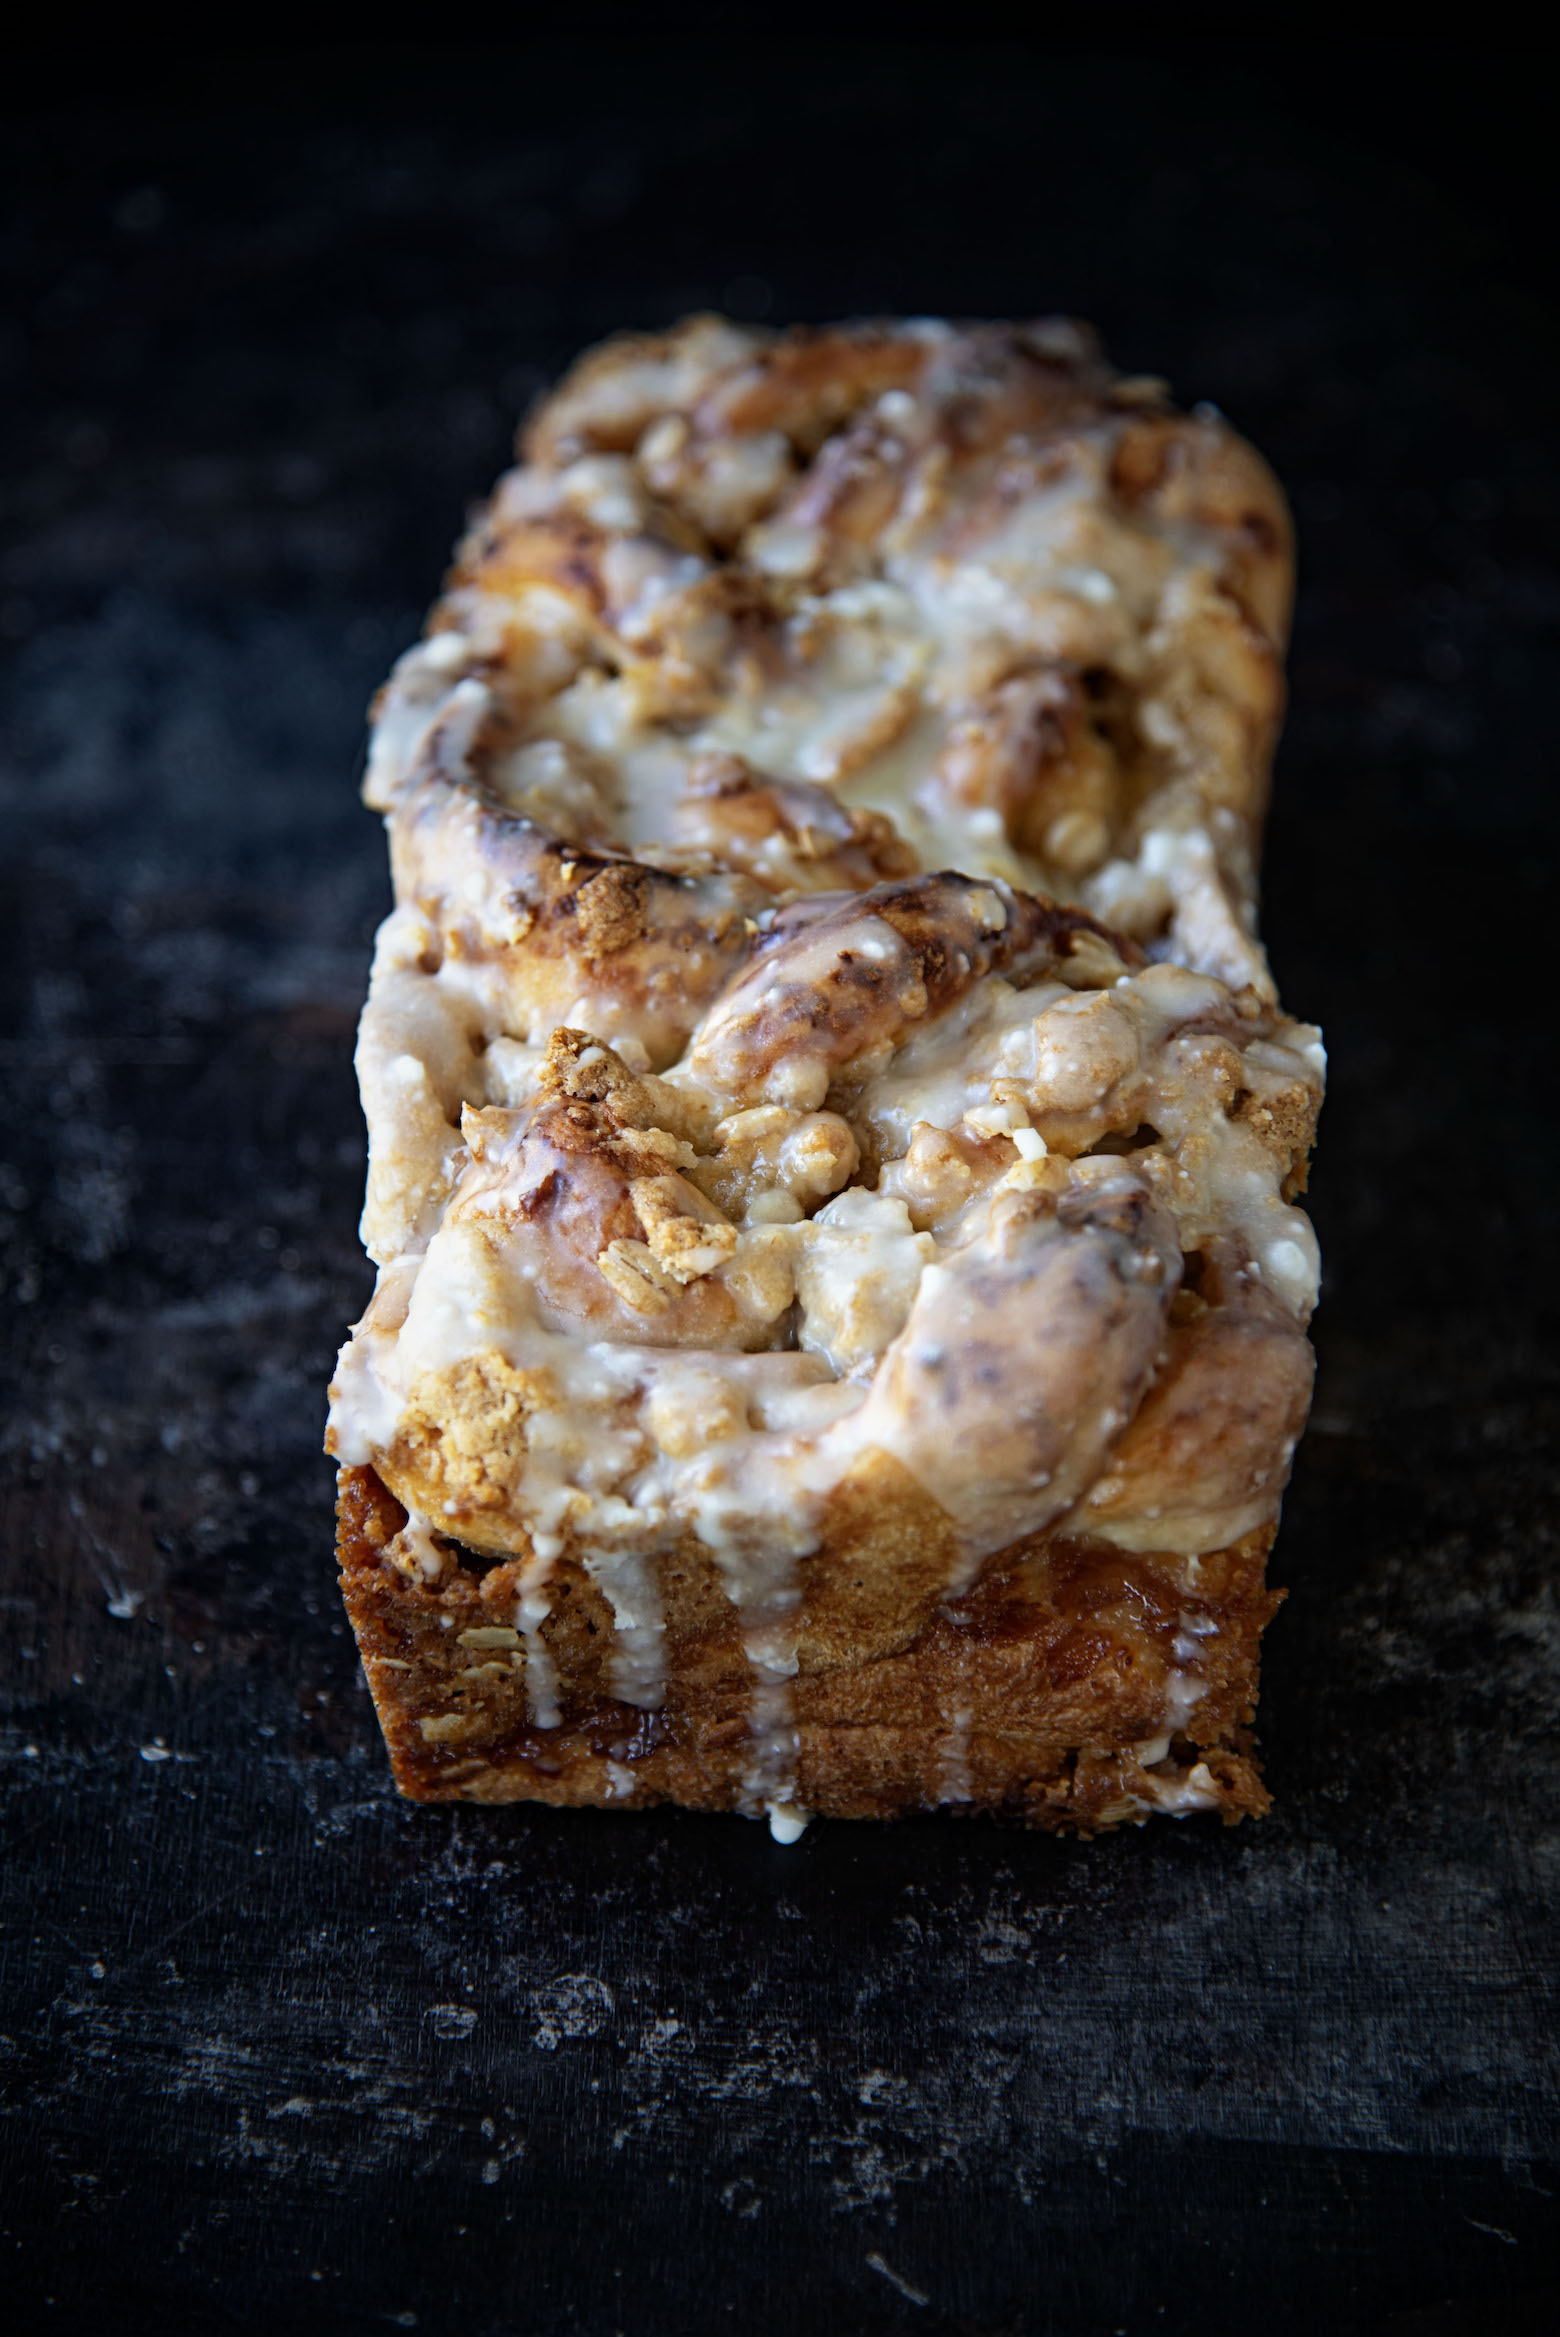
1036	1695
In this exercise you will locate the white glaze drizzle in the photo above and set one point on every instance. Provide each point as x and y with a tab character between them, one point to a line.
953	1757
532	1609
626	1577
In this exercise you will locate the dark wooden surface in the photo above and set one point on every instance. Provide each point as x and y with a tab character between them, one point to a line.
279	2052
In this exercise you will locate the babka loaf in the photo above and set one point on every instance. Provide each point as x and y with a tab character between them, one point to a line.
840	1335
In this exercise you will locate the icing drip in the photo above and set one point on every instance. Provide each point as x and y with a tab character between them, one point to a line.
758	1556
415	1552
626	1579
786	1823
769	1781
953	1757
1184	1794
531	1612
1185	1686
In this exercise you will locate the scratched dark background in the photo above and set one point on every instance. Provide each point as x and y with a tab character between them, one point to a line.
279	2052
